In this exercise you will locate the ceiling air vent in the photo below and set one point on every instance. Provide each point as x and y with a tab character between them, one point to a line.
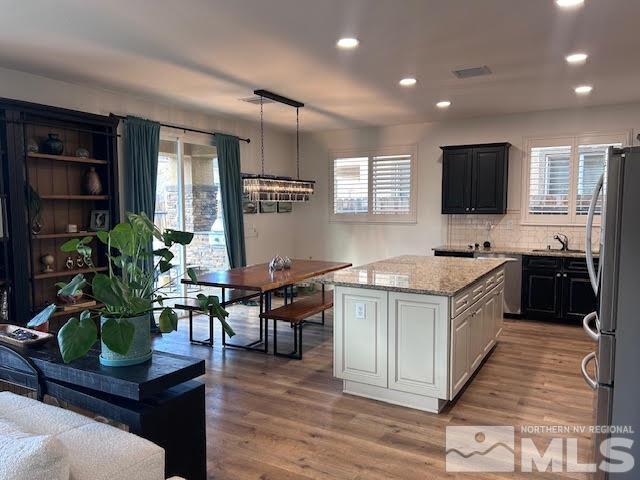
472	72
256	100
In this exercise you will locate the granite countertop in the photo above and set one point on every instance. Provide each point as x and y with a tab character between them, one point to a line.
430	275
513	251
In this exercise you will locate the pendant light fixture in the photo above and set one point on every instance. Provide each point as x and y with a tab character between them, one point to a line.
264	187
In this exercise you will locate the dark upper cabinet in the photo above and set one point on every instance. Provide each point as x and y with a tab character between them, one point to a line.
474	178
456	180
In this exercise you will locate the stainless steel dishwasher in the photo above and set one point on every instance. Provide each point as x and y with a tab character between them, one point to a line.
512	280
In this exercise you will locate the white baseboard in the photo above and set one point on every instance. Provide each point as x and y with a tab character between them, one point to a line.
404	399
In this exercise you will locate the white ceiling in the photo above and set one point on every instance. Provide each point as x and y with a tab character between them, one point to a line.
209	54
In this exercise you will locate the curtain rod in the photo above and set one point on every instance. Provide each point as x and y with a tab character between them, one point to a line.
188	129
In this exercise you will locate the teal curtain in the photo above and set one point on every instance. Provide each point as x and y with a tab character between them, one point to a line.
228	148
141	146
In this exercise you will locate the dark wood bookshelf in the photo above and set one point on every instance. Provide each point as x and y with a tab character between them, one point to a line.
88	198
67	158
59	181
68	273
48	236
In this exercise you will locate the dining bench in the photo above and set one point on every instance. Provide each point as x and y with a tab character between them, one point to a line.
227	297
297	314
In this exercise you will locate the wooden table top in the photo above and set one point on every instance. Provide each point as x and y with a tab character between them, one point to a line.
257	277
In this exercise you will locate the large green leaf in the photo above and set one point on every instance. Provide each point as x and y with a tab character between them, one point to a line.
177	236
117	334
103	236
165	253
168	320
122	238
211	304
77	337
42	317
70	245
165	266
107	291
78	282
192	275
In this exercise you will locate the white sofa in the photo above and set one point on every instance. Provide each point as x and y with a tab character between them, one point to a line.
43	442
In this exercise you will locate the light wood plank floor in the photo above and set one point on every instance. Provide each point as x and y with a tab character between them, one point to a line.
279	419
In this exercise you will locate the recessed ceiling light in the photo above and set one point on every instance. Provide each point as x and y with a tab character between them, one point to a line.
576	58
408	82
569	3
347	43
583	89
443	104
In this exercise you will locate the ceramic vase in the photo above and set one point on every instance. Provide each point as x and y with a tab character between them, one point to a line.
92	184
53	145
140	350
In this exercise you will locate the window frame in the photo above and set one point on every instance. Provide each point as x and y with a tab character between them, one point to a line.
370	217
574	140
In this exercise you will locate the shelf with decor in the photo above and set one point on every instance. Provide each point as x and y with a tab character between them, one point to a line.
66	158
49	236
73	311
66	161
68	273
89	198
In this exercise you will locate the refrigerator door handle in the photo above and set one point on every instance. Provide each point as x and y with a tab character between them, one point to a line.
585	361
591	333
593	276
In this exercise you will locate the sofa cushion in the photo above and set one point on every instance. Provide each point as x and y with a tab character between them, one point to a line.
99	451
113	454
39	418
36	457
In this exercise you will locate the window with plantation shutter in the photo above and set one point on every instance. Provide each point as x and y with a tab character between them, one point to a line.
561	176
549	180
351	185
391	179
374	186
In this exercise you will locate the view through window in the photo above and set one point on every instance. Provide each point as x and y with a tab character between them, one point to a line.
188	198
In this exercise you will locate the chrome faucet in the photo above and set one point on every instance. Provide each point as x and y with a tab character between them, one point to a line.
563	239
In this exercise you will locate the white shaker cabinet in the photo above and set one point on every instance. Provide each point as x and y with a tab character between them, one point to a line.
418	339
360	335
460	352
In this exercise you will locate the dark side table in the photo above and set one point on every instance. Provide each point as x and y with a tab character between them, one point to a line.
159	400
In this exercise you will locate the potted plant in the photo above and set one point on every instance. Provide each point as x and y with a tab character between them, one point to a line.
129	293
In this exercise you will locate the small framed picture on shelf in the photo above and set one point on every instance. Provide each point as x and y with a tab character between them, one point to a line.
268	207
285	207
100	220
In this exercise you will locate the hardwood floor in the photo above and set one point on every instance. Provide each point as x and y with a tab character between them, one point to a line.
275	418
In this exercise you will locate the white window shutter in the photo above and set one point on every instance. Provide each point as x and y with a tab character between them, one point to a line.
391	185
351	185
549	180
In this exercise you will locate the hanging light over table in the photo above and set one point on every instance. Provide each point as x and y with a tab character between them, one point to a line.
264	187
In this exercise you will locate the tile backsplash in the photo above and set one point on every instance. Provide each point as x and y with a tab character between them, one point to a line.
506	231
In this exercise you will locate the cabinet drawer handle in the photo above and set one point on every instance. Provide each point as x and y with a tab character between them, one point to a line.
557	274
564	275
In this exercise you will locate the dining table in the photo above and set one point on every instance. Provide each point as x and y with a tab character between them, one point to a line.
261	281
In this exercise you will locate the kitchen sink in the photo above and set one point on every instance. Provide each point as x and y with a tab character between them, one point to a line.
557	250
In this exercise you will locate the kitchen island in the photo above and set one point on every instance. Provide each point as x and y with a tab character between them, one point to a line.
412	330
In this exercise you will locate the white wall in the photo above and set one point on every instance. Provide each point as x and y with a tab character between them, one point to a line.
279	146
318	238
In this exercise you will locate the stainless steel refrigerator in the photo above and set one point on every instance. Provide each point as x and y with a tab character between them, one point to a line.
616	280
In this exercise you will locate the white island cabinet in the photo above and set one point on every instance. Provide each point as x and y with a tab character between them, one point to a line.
412	330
